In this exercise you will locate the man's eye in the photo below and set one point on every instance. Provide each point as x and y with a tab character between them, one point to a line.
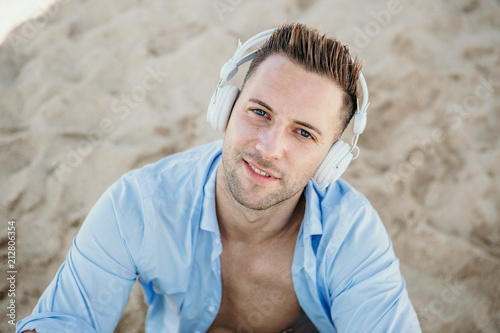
259	112
304	133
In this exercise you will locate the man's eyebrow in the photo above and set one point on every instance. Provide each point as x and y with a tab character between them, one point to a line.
302	123
314	128
264	104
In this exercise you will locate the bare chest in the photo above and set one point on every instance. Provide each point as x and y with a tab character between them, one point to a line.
257	292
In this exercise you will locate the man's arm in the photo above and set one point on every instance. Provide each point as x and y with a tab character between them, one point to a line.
91	288
368	293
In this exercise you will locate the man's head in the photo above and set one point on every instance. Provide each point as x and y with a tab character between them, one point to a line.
316	53
287	116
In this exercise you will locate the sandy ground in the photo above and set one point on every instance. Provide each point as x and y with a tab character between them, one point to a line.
75	116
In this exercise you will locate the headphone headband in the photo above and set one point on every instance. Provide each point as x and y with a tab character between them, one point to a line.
230	68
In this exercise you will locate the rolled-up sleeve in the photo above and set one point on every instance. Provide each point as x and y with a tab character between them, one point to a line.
368	293
91	288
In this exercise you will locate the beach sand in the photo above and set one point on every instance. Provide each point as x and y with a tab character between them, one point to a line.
75	115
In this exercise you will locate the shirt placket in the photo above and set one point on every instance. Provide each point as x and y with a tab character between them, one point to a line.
213	306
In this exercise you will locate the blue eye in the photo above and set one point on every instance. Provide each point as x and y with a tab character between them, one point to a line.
259	112
305	134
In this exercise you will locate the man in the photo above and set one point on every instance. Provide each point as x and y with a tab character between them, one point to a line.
236	236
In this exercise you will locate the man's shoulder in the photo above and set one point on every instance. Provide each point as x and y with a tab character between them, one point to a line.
187	169
201	156
341	207
343	195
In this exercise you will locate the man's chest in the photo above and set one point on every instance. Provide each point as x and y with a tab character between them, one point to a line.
257	291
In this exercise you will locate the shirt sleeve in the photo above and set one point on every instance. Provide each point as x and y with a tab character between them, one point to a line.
91	288
367	291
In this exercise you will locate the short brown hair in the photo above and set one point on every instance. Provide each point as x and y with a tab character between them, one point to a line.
316	53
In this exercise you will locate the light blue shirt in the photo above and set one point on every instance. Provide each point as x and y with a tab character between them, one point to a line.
159	223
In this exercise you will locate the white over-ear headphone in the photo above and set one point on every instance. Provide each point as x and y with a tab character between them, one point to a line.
340	155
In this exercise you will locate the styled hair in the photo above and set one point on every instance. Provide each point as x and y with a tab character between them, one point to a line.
316	53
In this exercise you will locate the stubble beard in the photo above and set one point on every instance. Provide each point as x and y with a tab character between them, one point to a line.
247	197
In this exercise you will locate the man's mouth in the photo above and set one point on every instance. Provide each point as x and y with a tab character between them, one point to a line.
260	172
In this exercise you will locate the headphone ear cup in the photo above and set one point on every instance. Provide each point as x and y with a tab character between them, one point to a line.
220	106
335	163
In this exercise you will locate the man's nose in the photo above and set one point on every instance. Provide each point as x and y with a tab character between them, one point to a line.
272	142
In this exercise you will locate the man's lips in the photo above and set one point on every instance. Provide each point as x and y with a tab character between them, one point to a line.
259	170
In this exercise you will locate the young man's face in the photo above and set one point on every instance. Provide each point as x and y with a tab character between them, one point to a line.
281	128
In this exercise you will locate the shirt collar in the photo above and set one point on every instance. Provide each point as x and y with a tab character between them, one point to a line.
311	223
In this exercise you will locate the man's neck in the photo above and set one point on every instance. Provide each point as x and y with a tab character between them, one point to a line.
241	224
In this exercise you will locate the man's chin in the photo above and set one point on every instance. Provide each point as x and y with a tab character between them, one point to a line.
249	198
258	206
256	199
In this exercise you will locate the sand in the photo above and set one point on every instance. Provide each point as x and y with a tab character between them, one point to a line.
75	114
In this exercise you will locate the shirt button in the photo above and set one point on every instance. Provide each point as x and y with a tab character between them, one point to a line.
211	308
217	241
197	331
